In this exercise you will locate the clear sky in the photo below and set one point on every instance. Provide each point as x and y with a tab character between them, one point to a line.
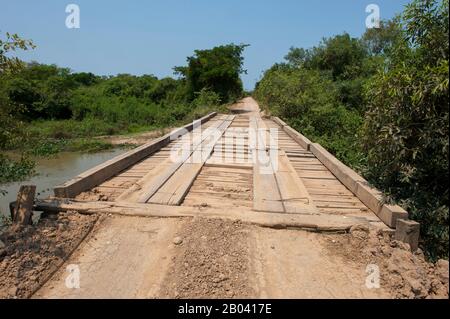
153	36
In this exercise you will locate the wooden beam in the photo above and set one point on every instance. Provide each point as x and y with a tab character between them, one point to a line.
294	194
24	205
299	138
370	196
279	121
266	194
108	169
296	136
321	222
343	173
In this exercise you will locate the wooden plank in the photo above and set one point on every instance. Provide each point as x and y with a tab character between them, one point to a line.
175	189
104	171
155	179
266	195
294	195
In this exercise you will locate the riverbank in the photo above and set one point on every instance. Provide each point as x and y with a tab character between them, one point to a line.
53	171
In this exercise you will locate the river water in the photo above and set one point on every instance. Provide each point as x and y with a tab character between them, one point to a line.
54	171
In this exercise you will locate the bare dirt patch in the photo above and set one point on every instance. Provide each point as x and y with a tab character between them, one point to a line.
211	261
403	273
32	253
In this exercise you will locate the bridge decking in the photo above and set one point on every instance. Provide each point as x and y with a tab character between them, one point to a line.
220	169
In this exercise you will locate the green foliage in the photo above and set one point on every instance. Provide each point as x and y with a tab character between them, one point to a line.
380	104
12	170
342	55
378	41
308	100
217	69
45	109
12	43
406	126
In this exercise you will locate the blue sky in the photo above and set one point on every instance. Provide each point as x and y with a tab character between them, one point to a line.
153	36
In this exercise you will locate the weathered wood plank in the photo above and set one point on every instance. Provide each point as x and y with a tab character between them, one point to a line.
145	188
175	189
266	195
294	195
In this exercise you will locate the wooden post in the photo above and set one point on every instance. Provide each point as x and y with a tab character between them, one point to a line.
12	209
24	205
407	231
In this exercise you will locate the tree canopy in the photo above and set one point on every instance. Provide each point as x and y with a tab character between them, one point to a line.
217	69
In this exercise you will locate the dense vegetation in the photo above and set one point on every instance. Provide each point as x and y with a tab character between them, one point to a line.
380	104
45	108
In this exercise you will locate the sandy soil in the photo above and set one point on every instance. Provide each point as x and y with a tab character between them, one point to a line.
32	253
136	257
125	257
210	262
402	273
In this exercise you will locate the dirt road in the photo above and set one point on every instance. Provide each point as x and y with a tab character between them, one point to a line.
131	257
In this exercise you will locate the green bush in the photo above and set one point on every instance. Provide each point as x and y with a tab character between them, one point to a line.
406	127
380	104
309	101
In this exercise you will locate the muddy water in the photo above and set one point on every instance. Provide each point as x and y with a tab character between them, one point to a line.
55	171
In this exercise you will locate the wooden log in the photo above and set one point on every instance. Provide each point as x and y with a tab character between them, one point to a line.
408	231
321	222
104	171
24	205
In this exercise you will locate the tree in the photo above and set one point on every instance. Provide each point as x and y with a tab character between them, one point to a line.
9	127
12	43
298	57
406	127
379	40
341	55
217	69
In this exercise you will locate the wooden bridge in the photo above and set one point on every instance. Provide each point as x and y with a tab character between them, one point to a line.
238	166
